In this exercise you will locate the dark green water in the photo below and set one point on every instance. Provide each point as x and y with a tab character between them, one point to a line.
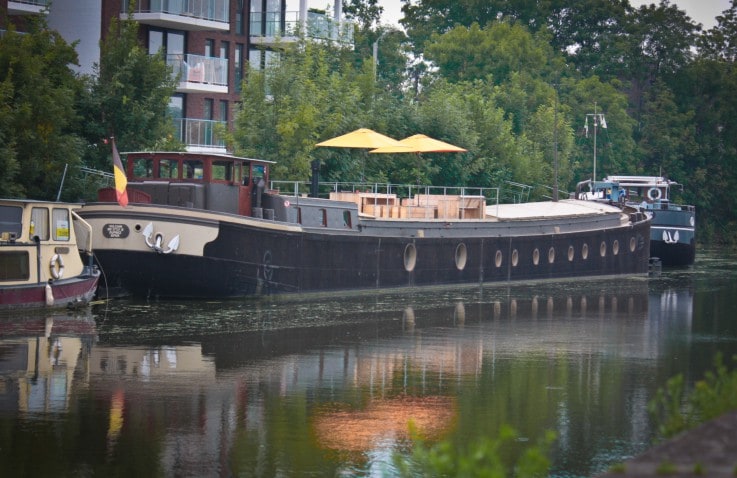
325	386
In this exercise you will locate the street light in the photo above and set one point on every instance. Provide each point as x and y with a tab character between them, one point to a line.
376	52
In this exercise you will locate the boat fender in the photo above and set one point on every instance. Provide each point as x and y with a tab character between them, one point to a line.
56	266
49	295
653	194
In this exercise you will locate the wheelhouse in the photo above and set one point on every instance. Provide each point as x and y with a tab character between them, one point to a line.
196	180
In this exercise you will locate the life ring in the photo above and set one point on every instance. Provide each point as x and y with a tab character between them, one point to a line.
654	194
56	266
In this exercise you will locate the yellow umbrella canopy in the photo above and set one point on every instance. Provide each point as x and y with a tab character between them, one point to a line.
420	143
361	138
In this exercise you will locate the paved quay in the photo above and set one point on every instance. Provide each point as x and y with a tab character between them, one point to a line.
709	450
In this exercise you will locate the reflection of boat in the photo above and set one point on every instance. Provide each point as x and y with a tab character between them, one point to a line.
672	232
203	225
345	428
39	359
40	264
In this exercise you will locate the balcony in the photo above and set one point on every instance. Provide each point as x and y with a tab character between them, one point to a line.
23	7
268	29
199	74
191	15
200	135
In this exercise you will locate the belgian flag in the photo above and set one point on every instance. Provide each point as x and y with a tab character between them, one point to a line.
120	180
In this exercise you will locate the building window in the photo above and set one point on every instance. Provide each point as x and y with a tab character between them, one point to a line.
207	110
209	47
239	14
224	110
238	66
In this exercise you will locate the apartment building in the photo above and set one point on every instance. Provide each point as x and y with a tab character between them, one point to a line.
207	42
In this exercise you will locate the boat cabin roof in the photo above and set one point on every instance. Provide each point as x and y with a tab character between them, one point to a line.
641	181
185	154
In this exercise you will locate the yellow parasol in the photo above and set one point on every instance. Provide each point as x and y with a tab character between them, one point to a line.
420	143
361	138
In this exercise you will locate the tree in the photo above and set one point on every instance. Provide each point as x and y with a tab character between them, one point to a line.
39	122
128	97
720	42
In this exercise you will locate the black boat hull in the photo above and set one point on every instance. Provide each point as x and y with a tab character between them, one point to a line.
245	259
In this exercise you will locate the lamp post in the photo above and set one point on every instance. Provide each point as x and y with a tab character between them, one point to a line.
376	52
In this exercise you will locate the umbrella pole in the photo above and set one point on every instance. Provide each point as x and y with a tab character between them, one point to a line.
315	178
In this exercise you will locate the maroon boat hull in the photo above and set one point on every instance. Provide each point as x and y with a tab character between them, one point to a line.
65	292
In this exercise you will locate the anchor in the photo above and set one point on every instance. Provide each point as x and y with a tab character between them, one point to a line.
670	240
158	240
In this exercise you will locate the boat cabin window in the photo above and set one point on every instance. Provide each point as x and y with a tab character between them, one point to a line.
258	172
169	169
60	222
222	171
14	265
39	223
193	169
143	168
10	222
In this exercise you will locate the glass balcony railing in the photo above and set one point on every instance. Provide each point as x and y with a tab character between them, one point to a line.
199	69
199	133
319	26
39	3
214	10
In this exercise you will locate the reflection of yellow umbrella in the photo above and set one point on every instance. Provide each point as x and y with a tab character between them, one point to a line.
361	138
420	143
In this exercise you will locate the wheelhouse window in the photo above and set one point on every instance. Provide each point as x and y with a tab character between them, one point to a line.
60	221
14	265
11	226
222	171
143	168
169	169
40	223
193	169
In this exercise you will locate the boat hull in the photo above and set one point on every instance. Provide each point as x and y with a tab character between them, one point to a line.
672	235
224	256
69	292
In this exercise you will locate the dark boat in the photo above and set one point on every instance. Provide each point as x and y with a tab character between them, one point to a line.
41	261
211	225
673	228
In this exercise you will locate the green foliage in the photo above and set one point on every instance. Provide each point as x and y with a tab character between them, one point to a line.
675	410
39	122
127	98
485	457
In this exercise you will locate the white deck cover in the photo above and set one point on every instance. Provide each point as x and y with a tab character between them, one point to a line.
550	209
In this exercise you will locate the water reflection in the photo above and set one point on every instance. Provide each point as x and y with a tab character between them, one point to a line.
327	385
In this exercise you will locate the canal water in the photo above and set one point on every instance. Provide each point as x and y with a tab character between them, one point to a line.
326	385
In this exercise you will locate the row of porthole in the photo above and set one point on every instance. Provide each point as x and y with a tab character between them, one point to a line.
461	256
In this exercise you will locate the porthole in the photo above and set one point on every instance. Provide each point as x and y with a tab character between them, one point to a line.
498	259
535	256
633	244
585	251
551	255
615	247
571	253
461	256
602	249
410	257
515	258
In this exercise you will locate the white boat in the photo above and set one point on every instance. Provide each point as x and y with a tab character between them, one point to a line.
40	260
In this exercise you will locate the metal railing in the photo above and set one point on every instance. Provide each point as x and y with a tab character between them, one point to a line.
214	10
199	132
199	69
319	26
300	188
